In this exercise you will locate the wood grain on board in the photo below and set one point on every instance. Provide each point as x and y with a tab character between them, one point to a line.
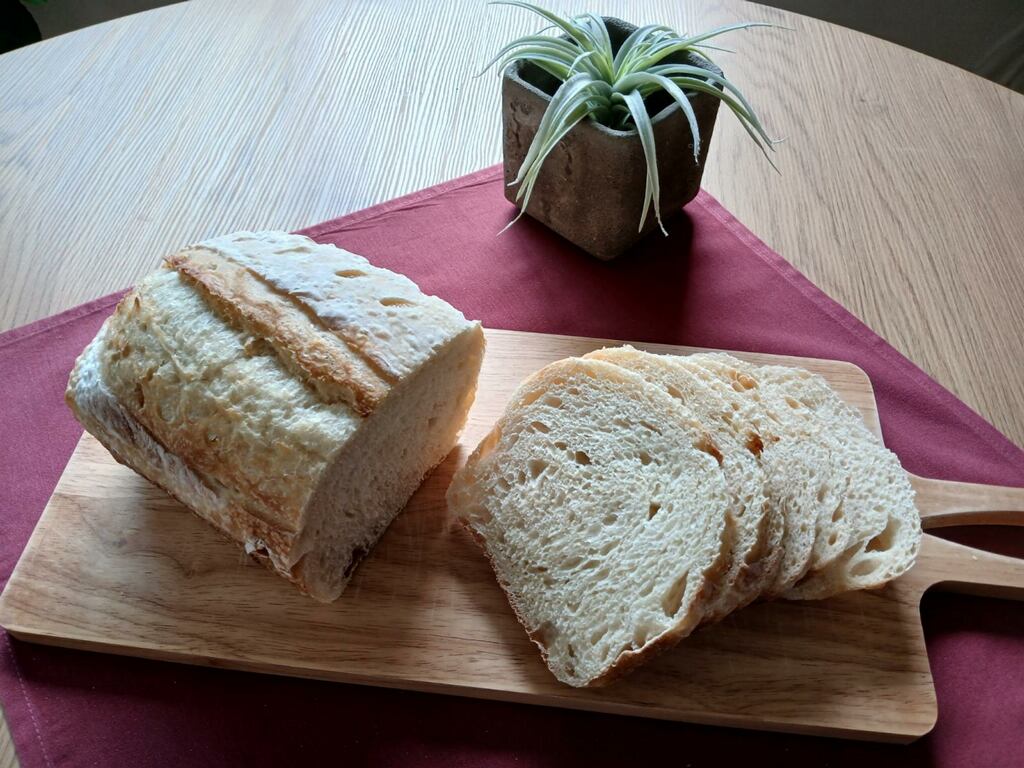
116	565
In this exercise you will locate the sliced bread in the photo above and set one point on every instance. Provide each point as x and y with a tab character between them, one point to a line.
873	535
602	505
756	553
878	500
874	561
802	478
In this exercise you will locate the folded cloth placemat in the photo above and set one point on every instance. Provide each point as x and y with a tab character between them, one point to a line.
711	283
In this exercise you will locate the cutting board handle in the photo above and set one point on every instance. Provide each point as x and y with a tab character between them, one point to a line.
943	503
955	567
959	568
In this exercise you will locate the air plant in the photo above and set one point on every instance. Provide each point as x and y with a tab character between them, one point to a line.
610	86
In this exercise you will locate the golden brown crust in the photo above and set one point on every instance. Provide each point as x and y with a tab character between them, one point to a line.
142	394
382	317
320	356
123	437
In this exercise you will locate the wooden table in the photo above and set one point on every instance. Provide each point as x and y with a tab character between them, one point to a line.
901	192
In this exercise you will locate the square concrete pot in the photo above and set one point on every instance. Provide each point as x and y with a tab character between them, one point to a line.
591	187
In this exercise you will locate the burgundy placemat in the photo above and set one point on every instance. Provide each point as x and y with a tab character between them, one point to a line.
712	283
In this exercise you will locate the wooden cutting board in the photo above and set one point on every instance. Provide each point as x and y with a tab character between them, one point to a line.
115	565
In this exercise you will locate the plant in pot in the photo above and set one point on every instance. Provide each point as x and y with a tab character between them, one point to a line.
607	125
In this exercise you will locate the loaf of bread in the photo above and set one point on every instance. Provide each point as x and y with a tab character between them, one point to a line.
595	502
289	393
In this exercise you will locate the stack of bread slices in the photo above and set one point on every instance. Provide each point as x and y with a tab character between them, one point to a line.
624	499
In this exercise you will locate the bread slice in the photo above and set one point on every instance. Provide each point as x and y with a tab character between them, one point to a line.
602	506
878	499
873	534
288	392
802	478
872	562
757	552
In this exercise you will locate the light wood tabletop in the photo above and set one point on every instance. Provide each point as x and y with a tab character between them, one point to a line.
901	191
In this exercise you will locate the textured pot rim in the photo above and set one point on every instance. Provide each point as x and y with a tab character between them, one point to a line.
512	72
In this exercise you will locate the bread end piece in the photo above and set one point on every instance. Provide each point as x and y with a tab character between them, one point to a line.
203	408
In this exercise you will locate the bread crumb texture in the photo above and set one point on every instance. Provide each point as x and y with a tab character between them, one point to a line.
626	498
